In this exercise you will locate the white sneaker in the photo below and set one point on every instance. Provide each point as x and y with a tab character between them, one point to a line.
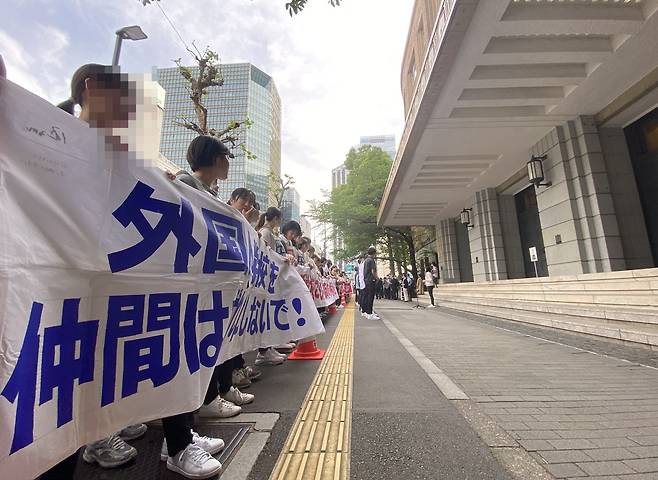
194	462
210	445
219	408
236	397
269	358
431	306
374	316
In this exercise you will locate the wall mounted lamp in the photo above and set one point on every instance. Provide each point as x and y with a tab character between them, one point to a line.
536	171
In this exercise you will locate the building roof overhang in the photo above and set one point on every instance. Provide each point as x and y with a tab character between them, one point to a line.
499	74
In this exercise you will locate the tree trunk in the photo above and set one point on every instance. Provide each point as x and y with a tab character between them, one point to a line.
412	255
391	262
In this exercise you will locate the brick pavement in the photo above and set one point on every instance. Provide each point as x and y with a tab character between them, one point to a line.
578	414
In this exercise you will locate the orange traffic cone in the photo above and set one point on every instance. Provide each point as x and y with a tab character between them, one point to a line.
307	350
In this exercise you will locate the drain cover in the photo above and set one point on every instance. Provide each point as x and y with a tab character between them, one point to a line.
147	465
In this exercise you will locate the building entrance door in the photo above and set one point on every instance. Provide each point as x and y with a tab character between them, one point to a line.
642	139
527	213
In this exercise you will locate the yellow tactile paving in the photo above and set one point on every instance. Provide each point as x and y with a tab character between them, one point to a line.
318	445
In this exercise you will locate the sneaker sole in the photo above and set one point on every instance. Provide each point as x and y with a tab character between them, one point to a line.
216	415
91	460
165	456
180	471
243	403
268	362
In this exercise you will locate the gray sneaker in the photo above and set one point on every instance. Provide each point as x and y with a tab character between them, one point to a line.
111	452
252	373
133	432
240	379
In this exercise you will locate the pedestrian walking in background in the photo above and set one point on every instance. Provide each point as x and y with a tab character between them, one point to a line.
435	273
429	285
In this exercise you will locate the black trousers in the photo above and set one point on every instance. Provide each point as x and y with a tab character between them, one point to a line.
430	291
368	298
220	382
178	432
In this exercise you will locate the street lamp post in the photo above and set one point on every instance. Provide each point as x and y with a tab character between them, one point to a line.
134	32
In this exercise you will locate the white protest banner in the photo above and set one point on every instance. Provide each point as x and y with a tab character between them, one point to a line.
323	289
119	289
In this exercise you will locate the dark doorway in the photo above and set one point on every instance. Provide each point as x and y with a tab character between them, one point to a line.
464	252
527	213
642	139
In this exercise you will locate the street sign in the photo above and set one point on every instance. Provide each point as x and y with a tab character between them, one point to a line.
533	254
534	259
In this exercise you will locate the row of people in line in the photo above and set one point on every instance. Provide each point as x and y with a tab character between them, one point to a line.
106	101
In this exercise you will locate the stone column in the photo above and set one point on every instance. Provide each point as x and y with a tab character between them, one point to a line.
486	238
446	246
626	199
578	218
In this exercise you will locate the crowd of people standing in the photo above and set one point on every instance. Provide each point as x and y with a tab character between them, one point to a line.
105	100
369	286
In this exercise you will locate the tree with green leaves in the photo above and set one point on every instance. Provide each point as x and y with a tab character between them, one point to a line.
352	210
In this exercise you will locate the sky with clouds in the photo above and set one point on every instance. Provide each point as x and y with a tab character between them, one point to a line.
337	69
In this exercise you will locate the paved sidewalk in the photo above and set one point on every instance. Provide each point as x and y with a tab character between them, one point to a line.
578	414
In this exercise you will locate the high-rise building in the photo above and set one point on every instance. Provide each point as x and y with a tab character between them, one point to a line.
385	142
307	226
290	206
339	176
248	92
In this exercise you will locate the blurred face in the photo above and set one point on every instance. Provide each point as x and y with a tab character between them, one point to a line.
276	222
242	204
108	107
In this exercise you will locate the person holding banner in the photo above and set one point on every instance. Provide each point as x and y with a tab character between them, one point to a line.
208	160
269	222
107	101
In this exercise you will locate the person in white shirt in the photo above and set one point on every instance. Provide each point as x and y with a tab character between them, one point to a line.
359	281
429	285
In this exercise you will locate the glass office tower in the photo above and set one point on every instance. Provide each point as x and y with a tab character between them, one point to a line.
385	142
247	92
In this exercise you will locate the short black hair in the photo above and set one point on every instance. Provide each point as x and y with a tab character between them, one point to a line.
244	194
372	250
203	152
291	225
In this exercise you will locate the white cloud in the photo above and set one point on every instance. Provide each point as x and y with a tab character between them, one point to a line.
337	69
39	70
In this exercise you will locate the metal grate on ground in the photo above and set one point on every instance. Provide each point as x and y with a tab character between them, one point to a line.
318	446
147	465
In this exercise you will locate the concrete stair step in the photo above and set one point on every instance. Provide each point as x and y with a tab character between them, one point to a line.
642	333
632	314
